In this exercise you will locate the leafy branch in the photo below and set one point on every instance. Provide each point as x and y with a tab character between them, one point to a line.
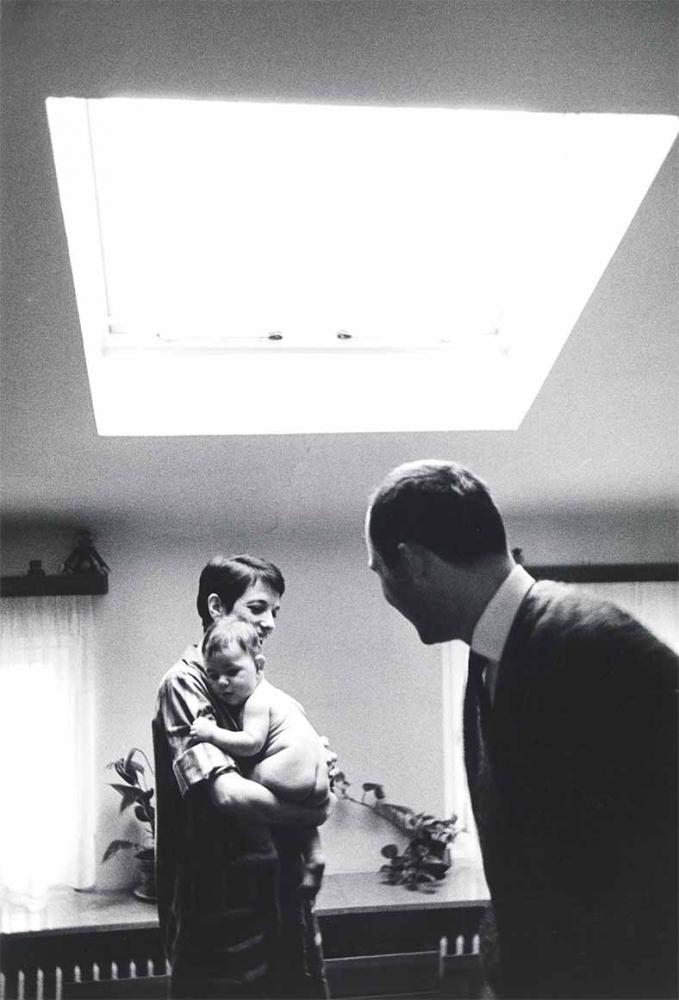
426	859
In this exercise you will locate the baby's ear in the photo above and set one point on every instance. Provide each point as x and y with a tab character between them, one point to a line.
259	662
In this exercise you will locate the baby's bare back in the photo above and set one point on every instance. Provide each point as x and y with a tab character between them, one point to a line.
292	762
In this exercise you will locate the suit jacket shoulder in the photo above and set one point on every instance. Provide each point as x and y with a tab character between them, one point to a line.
581	832
561	629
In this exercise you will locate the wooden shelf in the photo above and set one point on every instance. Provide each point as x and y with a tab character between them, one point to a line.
51	586
68	911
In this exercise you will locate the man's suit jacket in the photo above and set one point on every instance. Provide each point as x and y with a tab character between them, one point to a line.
574	789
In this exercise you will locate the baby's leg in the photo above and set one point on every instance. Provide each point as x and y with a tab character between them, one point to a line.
292	774
299	776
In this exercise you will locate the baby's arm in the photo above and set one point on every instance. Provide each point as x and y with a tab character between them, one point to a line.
241	743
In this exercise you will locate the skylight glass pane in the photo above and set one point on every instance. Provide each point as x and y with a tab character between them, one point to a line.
452	244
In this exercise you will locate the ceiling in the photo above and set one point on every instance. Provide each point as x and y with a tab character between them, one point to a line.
603	431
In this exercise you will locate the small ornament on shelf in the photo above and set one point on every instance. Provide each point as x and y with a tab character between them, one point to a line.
84	558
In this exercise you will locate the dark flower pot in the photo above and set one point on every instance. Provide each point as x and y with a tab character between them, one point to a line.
146	887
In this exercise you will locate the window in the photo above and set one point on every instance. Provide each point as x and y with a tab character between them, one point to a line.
454	656
344	258
46	745
654	603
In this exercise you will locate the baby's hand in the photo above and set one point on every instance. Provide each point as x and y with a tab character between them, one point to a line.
202	730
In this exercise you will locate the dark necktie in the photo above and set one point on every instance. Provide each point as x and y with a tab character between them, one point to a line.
477	666
477	708
478	746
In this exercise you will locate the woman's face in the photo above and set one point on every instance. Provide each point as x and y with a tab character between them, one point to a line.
258	605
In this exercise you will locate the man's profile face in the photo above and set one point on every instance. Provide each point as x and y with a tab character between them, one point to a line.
388	581
397	589
416	601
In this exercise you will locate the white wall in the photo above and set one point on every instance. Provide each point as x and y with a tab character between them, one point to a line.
614	536
360	670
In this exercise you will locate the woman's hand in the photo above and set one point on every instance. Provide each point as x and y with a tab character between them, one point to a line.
330	757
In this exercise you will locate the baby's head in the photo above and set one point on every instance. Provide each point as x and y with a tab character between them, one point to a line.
233	660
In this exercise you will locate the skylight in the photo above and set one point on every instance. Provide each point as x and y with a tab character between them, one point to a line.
245	268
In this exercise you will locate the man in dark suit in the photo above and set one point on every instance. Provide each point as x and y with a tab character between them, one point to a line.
570	729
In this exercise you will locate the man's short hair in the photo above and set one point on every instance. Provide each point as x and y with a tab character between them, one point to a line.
226	633
439	505
230	576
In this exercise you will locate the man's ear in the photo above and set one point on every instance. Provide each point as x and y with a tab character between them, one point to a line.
215	606
259	662
412	560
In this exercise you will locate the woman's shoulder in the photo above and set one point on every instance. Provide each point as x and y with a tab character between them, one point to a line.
186	671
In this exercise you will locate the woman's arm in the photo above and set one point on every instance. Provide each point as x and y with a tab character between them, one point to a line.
249	801
183	697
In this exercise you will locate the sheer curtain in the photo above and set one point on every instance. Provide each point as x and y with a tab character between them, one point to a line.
46	745
454	656
655	604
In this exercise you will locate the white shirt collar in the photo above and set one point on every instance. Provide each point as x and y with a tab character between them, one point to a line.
492	629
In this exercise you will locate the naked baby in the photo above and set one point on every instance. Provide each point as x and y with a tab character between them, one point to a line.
270	726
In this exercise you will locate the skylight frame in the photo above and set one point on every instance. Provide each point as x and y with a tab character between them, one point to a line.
487	381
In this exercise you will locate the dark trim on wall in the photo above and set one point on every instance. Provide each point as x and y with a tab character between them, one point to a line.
608	572
54	586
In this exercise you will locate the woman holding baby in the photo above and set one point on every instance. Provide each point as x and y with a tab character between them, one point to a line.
228	853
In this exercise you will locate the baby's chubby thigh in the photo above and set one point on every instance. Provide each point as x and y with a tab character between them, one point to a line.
294	774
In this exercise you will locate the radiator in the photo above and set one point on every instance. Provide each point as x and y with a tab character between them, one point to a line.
408	973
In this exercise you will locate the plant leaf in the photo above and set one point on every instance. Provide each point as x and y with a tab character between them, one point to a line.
115	846
389	851
131	763
119	767
128	795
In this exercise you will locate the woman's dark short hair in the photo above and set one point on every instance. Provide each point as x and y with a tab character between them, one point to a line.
230	576
439	505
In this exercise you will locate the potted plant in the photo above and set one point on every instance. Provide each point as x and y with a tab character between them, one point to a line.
136	790
426	858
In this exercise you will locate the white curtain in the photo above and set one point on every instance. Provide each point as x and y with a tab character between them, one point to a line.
46	745
655	604
454	656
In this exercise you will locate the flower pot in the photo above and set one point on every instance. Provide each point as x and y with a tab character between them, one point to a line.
146	886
